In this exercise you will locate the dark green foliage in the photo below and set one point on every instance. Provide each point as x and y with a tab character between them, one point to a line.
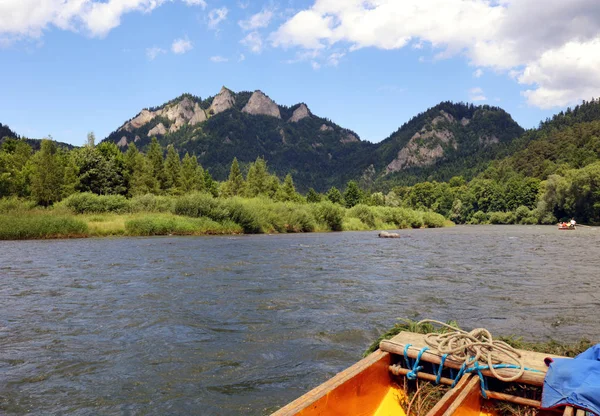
313	196
352	195
334	195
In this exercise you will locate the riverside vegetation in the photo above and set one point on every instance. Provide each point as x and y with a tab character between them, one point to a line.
99	191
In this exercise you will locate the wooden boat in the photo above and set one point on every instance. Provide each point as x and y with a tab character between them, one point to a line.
377	386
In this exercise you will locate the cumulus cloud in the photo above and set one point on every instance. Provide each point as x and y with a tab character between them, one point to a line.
253	41
476	94
257	21
550	46
181	46
218	59
24	19
216	16
478	73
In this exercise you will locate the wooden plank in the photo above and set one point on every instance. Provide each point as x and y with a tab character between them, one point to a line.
450	396
531	359
468	402
400	371
580	412
569	411
513	399
356	390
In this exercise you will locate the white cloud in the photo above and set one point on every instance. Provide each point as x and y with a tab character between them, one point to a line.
242	57
476	94
152	53
551	46
181	46
218	59
478	73
315	65
200	3
24	19
334	58
257	21
253	41
216	16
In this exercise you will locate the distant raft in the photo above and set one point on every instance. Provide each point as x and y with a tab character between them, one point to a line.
385	234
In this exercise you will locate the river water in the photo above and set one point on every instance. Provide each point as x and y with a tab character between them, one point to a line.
242	325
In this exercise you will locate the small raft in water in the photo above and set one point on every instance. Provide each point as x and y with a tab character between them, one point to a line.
379	384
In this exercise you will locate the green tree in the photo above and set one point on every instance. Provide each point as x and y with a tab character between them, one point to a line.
352	194
172	170
235	184
47	174
190	179
14	172
334	195
287	191
258	181
313	196
155	156
210	185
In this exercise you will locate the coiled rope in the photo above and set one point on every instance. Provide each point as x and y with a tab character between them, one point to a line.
474	348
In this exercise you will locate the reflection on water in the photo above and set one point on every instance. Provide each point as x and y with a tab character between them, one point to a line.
230	325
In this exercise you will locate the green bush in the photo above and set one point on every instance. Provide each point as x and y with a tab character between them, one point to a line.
89	203
329	214
244	214
201	205
354	224
14	204
168	224
502	217
40	225
151	203
363	213
433	220
521	213
297	218
479	217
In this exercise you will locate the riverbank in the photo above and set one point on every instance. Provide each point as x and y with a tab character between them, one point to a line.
89	215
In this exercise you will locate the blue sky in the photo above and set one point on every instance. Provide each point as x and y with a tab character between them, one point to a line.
89	65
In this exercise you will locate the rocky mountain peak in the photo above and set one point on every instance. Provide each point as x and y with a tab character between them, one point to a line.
259	103
299	113
224	100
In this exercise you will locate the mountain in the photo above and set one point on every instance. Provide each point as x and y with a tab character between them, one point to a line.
446	138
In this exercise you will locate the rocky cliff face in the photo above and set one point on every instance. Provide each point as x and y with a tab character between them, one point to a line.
300	113
260	104
223	101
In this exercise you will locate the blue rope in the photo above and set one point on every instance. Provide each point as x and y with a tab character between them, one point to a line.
440	369
412	375
406	355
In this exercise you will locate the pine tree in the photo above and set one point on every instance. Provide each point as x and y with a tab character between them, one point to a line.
172	170
155	156
352	195
210	185
189	179
334	195
287	191
313	196
235	183
257	180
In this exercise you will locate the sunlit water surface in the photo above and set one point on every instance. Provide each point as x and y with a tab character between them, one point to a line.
242	325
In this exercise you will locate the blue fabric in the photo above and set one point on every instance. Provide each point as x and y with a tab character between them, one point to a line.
574	382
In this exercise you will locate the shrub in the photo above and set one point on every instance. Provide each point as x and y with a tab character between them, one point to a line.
168	224
298	219
40	226
83	203
479	217
243	214
433	220
354	224
502	217
13	204
363	213
521	213
151	203
200	205
330	214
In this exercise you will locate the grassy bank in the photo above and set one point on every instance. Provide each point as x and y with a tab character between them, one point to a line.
83	215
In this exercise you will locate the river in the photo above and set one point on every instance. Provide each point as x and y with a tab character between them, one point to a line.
242	325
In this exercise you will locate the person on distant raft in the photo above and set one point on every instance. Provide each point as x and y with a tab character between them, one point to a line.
573	222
